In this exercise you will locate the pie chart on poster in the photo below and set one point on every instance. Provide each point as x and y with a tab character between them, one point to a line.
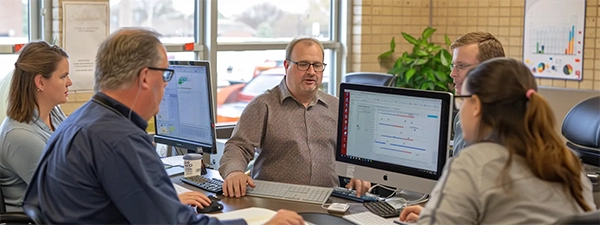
541	67
568	69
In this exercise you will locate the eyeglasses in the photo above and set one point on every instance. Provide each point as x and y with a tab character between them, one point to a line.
167	73
459	100
304	66
461	67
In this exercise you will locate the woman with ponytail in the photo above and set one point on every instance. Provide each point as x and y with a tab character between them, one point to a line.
517	169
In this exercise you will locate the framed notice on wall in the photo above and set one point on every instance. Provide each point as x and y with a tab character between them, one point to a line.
553	38
85	25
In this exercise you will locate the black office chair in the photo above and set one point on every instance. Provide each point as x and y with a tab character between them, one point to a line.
35	214
581	128
592	217
2	203
371	78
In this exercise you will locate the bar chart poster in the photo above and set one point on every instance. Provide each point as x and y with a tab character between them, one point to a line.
553	38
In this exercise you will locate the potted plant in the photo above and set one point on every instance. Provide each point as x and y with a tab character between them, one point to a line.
427	67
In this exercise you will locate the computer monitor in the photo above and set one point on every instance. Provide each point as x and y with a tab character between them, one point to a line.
185	118
393	136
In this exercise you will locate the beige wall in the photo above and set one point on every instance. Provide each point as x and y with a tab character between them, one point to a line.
375	22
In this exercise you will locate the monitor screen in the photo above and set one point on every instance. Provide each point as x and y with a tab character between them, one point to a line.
393	136
185	118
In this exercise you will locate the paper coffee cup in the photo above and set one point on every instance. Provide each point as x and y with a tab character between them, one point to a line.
192	164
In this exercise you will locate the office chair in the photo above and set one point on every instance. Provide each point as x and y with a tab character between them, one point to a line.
11	217
371	78
35	214
581	128
592	217
2	203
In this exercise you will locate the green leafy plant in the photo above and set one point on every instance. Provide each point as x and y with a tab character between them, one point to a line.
427	67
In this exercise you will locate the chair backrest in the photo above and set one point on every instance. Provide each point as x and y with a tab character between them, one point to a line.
371	78
592	217
15	218
2	203
581	128
34	213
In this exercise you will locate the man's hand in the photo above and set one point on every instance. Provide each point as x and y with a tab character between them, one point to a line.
235	184
360	186
411	213
286	217
194	198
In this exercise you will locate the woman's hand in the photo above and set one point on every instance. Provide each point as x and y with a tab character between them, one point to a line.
411	213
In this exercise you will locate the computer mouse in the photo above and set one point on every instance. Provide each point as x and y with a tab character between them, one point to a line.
213	207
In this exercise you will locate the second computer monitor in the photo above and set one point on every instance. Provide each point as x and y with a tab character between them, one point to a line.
393	136
185	118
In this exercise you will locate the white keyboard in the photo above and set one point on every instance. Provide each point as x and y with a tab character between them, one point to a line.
368	218
290	192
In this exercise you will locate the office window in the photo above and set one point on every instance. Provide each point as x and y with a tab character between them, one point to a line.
174	19
272	20
7	64
14	29
14	22
242	75
181	56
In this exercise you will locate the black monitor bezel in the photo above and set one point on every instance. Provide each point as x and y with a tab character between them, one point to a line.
210	148
443	135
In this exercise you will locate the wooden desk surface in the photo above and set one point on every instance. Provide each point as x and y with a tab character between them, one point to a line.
230	204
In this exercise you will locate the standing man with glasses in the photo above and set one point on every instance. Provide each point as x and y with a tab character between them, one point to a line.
293	126
469	51
100	167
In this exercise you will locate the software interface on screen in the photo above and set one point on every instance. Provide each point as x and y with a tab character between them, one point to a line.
185	110
394	129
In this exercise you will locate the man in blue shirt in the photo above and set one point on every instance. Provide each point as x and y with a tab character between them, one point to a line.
100	165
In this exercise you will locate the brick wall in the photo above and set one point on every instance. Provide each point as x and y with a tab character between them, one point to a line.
375	22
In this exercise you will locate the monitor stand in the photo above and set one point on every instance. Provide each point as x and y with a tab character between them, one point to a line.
405	198
412	196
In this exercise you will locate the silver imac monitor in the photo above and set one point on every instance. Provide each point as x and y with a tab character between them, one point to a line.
393	136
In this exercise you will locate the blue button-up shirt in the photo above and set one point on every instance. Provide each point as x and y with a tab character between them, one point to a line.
100	167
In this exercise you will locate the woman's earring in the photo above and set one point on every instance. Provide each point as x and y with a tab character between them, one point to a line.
39	90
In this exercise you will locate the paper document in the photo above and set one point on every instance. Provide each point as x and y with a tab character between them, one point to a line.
173	160
180	190
253	215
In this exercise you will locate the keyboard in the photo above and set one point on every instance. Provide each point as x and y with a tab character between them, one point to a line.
367	218
205	183
382	209
351	195
290	192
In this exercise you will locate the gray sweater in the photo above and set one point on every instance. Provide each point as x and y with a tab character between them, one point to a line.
21	146
469	192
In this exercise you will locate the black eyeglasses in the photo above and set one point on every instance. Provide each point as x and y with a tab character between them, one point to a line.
459	101
304	66
167	73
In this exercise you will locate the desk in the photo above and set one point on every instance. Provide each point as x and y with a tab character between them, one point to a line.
230	204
